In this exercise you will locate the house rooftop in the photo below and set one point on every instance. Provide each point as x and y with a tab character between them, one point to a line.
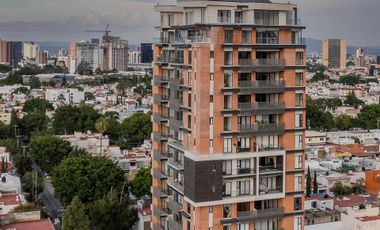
44	224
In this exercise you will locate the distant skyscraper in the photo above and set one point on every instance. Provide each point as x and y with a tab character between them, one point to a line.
146	53
15	52
90	53
4	52
31	51
334	52
359	59
115	53
134	57
72	57
43	57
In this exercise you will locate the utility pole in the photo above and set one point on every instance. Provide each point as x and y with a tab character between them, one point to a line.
24	149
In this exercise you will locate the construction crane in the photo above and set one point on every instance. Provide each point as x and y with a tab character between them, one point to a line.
106	31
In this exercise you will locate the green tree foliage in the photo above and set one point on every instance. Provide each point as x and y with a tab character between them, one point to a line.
358	188
75	216
12	79
113	211
27	208
34	122
5	68
48	151
37	104
28	183
140	185
317	118
339	189
349	80
315	183
4	130
22	90
308	183
3	165
369	116
318	76
352	100
88	177
69	118
343	122
14	123
23	164
34	82
84	68
89	96
135	129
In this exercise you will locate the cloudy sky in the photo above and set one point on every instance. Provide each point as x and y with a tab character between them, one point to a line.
66	20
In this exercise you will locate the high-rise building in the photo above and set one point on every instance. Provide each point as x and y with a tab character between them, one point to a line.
134	57
4	52
146	53
91	53
43	57
115	53
72	57
228	116
334	52
15	54
31	51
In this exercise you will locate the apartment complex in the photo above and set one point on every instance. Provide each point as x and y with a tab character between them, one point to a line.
228	116
334	53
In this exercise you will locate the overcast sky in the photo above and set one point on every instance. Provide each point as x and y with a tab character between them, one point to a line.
66	20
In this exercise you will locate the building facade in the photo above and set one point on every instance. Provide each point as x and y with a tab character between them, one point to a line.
31	51
334	53
228	116
89	52
115	53
146	53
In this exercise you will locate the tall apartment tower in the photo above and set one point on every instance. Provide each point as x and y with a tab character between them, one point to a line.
115	53
228	116
334	53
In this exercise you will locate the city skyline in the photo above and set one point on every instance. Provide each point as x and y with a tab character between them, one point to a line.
135	20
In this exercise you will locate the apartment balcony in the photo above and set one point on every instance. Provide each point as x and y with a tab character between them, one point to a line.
161	192
158	156
157	211
176	60
163	59
267	40
271	169
262	129
161	41
190	40
173	205
292	22
240	172
160	117
175	164
160	98
160	80
262	65
264	190
262	108
271	86
157	173
260	214
174	225
161	136
175	123
175	184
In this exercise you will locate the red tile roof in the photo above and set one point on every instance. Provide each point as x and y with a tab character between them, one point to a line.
368	218
44	224
10	199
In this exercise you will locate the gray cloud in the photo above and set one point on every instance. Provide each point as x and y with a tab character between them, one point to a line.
355	20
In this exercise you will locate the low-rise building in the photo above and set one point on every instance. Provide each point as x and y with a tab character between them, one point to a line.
66	96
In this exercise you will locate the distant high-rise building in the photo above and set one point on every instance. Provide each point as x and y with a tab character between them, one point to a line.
115	53
15	49
4	52
146	53
90	53
31	51
378	59
228	116
134	57
72	57
360	58
43	57
334	52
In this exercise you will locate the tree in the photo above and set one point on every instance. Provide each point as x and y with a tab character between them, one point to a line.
140	185
5	68
34	122
88	177
23	90
4	130
317	117
121	86
369	116
23	164
75	216
69	118
28	184
339	189
84	68
101	126
37	104
308	183
34	82
98	71
48	151
349	80
315	183
113	211
13	124
343	122
135	129
4	168
12	79
352	100
358	188
89	96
